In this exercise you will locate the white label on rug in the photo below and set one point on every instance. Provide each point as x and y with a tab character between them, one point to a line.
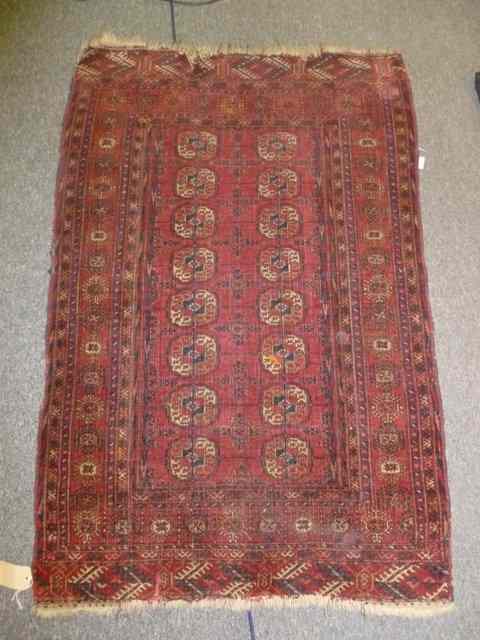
14	576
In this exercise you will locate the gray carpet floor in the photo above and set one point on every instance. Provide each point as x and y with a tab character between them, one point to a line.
440	40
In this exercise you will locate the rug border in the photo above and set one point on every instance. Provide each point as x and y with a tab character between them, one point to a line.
108	40
365	607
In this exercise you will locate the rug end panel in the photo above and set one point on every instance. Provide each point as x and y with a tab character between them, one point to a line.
365	608
109	40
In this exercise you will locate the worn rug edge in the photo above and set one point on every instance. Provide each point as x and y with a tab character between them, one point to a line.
407	610
109	40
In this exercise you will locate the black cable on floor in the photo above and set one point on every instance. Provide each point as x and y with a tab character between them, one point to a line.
251	626
191	3
172	20
184	3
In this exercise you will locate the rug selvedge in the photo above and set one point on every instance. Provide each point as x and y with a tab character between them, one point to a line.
241	401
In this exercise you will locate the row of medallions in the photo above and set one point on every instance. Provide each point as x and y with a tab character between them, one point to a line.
195	354
283	457
199	222
203	145
283	353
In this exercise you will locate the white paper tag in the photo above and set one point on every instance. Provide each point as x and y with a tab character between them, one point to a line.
421	159
14	576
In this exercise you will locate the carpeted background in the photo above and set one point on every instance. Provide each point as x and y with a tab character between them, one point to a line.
440	40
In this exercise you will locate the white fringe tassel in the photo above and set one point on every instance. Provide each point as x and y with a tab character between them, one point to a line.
408	610
111	41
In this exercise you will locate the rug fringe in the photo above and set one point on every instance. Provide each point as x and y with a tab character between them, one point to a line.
109	40
407	610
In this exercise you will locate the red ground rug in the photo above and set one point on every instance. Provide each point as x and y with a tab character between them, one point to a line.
241	402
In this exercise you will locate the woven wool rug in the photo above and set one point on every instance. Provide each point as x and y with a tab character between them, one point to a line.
241	403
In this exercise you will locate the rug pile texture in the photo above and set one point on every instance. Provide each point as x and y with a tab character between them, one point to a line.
241	402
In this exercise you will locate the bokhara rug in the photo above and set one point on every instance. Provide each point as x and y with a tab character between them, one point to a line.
242	402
